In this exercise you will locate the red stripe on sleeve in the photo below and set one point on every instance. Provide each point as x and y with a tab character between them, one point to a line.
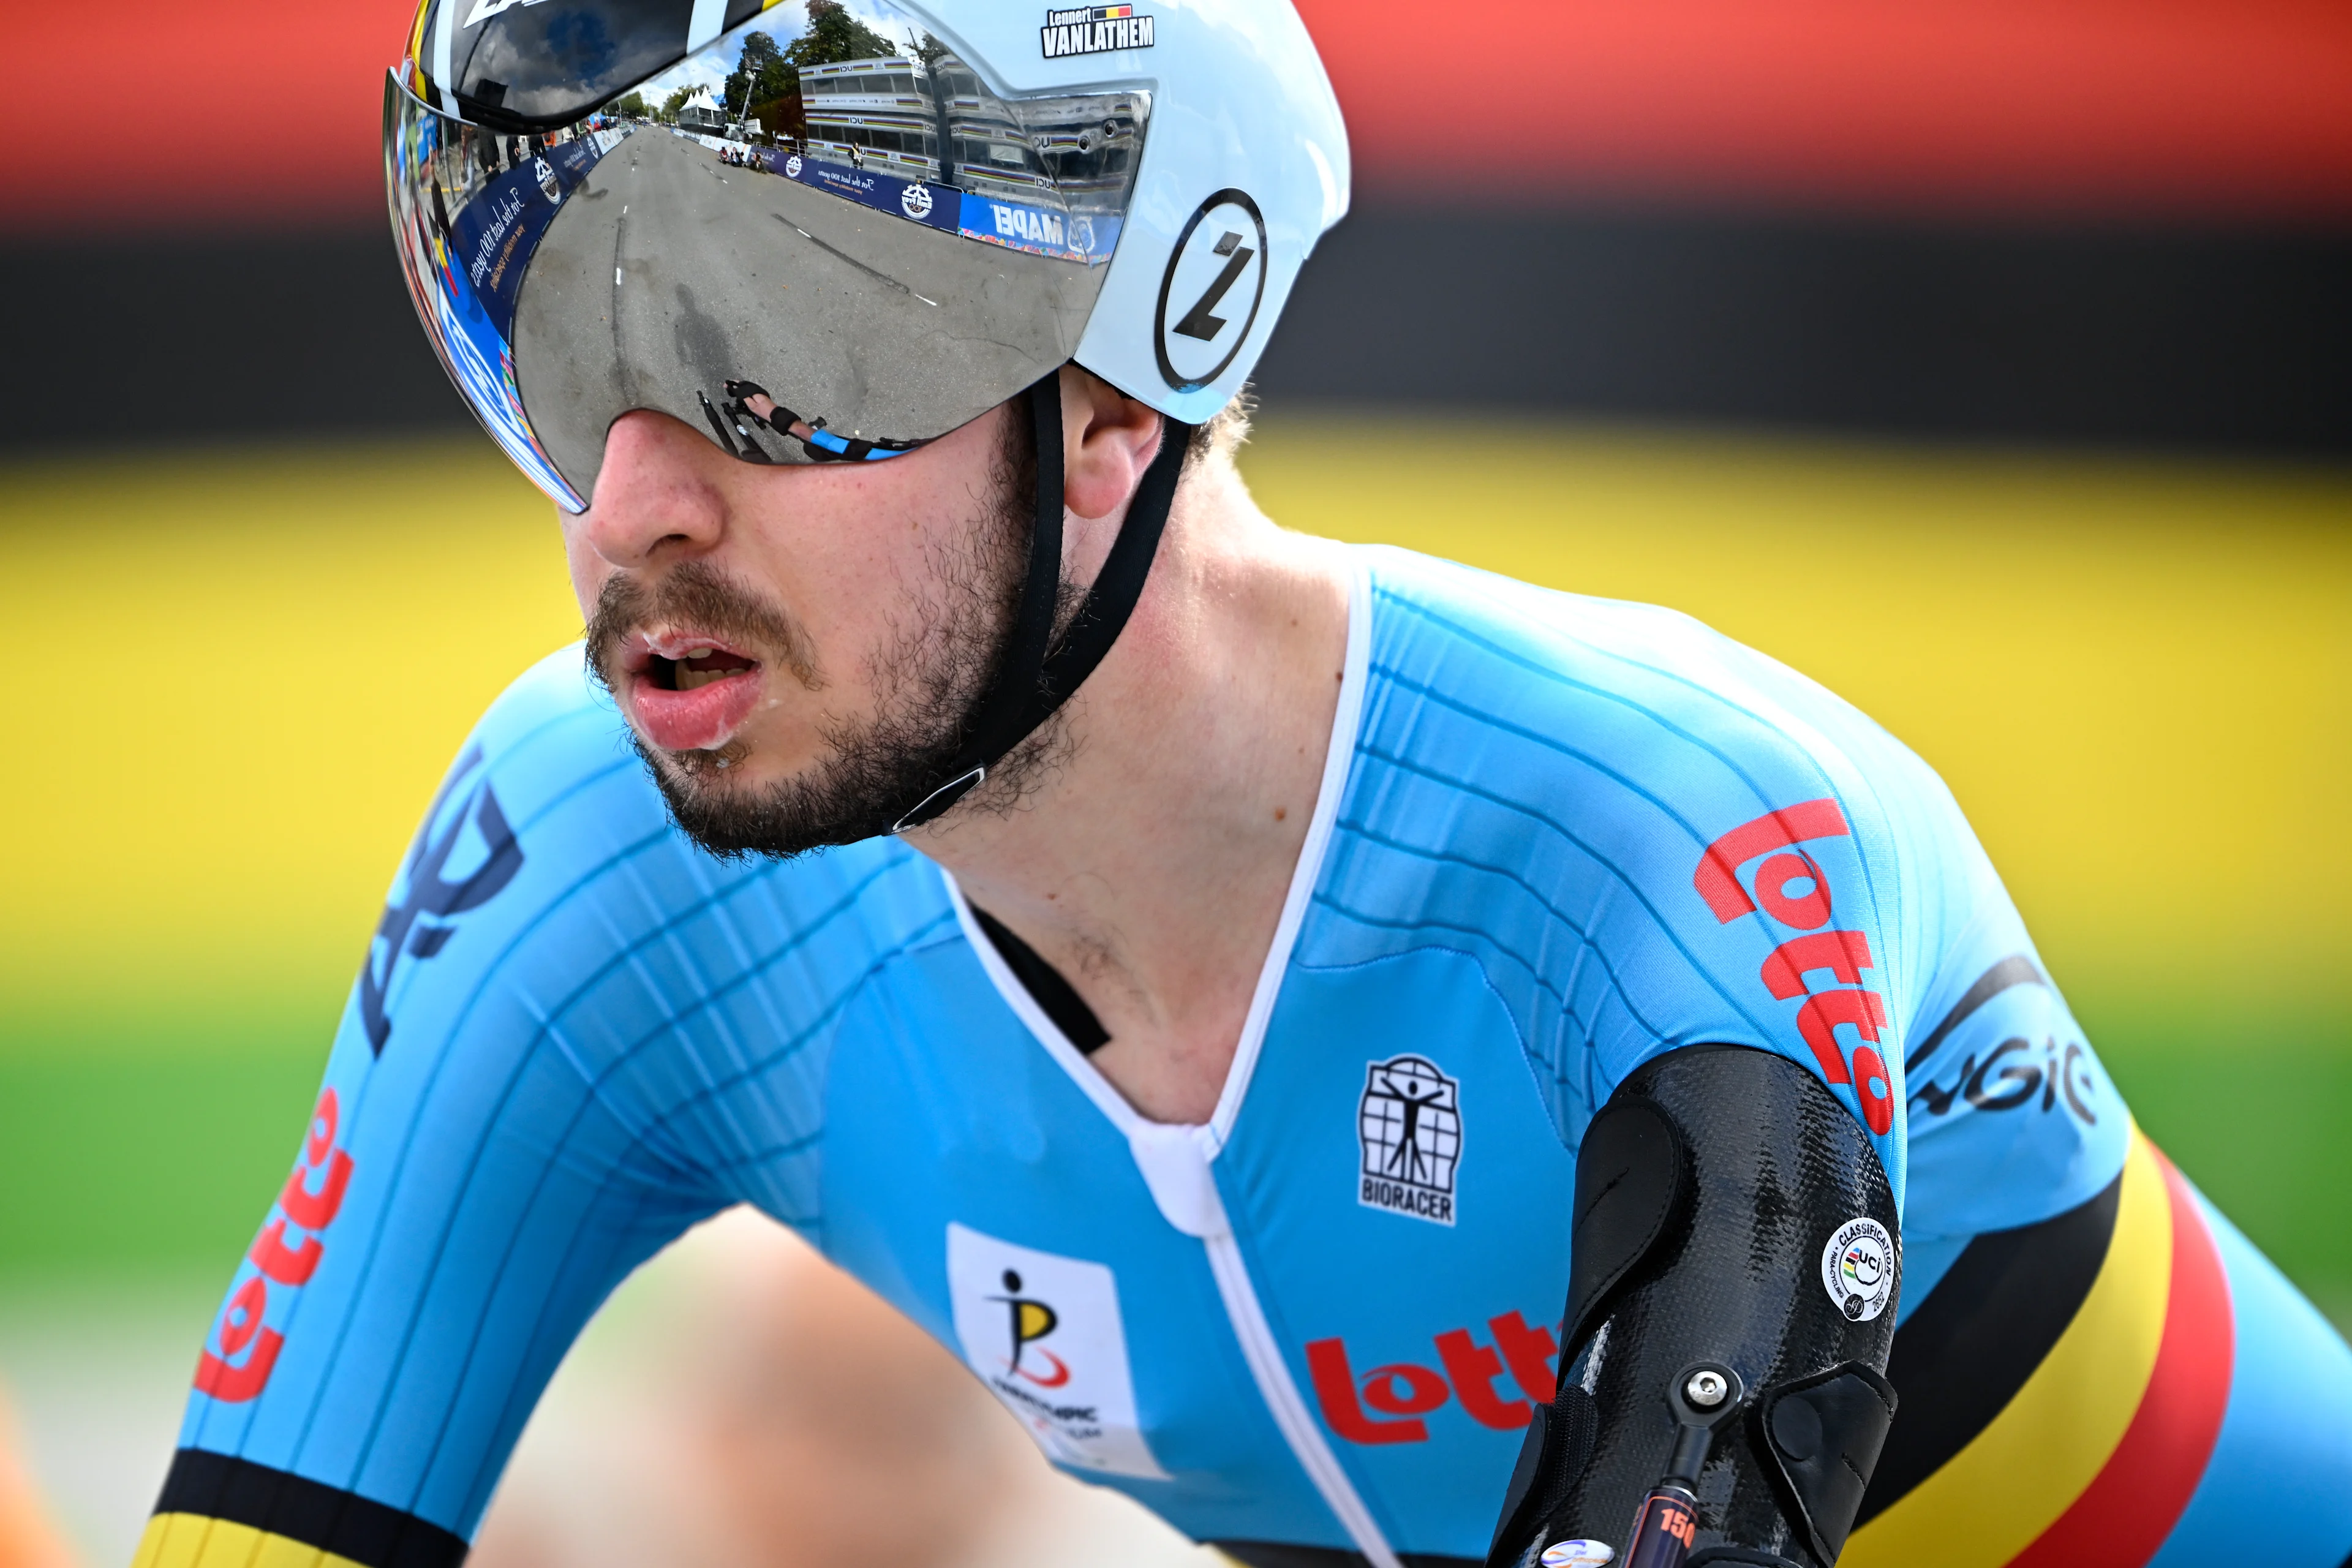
2132	1504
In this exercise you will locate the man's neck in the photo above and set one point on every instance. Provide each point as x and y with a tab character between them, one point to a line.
1151	866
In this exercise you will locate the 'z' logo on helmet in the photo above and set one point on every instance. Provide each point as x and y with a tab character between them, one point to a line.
1211	292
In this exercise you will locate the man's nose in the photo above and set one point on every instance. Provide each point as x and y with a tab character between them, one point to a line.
661	495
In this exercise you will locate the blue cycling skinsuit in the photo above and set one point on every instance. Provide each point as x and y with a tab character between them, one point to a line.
1556	837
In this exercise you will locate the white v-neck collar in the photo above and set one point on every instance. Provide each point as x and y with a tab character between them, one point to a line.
1174	1159
1207	1139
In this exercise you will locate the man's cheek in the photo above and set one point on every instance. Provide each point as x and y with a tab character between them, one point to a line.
589	577
588	570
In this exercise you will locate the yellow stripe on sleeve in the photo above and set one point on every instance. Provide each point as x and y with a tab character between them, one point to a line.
1992	1499
192	1540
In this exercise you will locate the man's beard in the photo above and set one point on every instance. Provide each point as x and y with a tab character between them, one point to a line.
931	681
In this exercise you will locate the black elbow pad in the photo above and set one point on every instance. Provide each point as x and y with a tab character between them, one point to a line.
1729	1210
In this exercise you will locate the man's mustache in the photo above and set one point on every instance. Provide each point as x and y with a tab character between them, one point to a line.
695	596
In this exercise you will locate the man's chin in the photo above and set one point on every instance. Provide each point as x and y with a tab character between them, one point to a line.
733	807
724	768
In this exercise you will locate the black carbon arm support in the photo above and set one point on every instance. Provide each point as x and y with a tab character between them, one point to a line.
1708	1190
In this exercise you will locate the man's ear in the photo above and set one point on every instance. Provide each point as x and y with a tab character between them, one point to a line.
1109	440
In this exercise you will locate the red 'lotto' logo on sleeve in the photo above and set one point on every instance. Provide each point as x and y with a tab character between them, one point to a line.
247	1352
1793	891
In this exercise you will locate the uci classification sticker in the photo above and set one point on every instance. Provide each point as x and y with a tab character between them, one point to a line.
1858	1268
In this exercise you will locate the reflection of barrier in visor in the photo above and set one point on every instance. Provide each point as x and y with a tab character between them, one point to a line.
1086	237
494	396
494	234
472	345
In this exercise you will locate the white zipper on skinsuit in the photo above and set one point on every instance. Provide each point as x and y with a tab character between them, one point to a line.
1174	1158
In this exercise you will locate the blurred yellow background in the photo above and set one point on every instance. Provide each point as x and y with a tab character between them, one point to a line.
2137	676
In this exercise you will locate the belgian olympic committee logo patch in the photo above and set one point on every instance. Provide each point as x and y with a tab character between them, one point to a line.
1858	1268
1409	1127
1044	1331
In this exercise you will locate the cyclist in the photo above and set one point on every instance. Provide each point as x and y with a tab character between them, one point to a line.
1378	1062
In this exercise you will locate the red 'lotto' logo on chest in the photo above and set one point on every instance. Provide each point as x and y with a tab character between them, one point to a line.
1386	1403
1795	892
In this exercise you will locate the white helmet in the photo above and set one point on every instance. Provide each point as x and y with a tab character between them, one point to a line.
958	198
859	224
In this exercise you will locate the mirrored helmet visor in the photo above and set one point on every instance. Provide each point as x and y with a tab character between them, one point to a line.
822	236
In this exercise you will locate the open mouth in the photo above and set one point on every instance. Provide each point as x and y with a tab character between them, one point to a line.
696	670
689	693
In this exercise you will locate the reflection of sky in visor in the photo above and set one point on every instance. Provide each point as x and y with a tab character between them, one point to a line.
552	60
788	24
535	64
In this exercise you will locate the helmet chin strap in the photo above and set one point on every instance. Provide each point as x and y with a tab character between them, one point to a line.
1037	674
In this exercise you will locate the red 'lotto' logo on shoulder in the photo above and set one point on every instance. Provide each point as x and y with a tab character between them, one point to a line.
1718	876
1794	891
309	1203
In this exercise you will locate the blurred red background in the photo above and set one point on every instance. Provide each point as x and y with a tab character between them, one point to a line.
2218	107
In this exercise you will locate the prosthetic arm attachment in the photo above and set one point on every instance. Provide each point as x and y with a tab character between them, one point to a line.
1730	1307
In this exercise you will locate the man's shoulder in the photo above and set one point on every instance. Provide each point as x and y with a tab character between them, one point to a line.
1658	702
1725	837
1624	756
549	787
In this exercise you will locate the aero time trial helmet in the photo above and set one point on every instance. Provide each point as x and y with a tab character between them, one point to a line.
889	216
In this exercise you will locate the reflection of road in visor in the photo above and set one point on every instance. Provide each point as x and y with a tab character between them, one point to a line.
881	244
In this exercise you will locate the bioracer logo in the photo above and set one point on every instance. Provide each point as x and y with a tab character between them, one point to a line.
1094	30
1409	1127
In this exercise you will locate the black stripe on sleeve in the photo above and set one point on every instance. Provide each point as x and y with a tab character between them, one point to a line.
1053	995
1961	1357
327	1519
2015	970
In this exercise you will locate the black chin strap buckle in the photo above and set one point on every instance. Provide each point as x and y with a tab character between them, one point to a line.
937	803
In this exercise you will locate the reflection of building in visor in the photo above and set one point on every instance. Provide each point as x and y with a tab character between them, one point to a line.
929	250
945	127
